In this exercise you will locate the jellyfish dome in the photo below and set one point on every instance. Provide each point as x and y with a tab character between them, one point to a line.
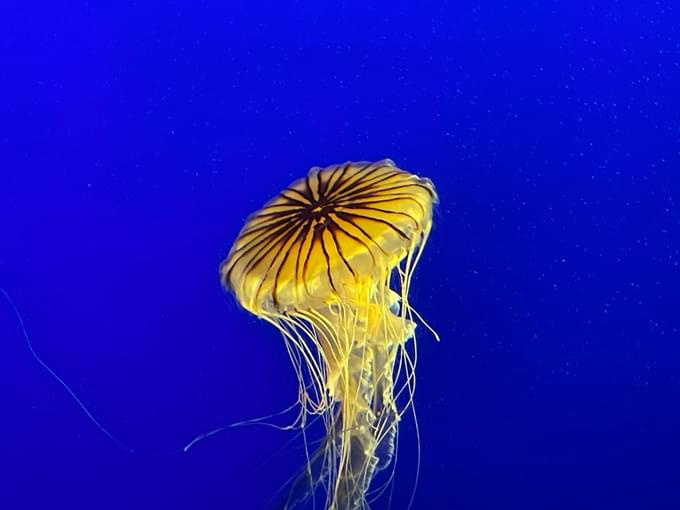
329	262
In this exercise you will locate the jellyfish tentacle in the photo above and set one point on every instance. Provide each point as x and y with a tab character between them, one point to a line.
385	409
304	485
358	440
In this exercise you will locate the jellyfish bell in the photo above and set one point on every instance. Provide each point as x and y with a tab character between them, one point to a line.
329	262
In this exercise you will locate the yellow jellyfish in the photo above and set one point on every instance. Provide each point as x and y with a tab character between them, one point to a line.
329	262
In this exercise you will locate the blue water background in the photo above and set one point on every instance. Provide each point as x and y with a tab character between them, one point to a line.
136	137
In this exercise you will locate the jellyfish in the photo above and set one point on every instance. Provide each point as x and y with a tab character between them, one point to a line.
329	262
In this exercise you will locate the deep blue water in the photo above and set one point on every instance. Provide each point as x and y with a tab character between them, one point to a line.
136	137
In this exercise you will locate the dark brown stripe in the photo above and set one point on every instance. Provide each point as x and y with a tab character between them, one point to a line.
377	220
328	260
358	175
268	242
299	228
304	197
395	198
340	179
332	227
257	258
373	184
383	211
347	218
354	238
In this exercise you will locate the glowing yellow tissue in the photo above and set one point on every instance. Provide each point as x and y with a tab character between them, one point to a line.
318	262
